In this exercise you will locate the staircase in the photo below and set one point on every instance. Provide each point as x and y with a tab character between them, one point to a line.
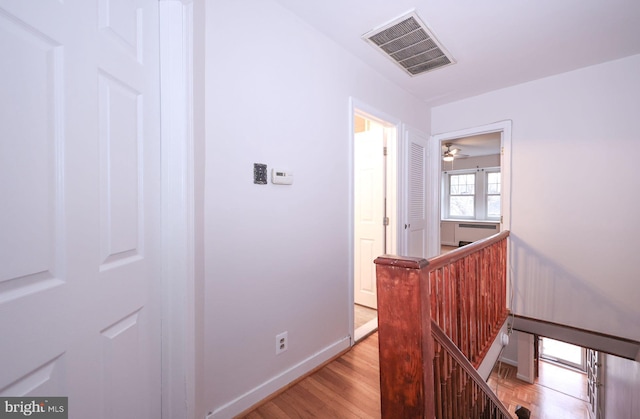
437	320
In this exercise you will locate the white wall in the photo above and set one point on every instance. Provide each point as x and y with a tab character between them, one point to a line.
510	353
622	387
199	116
277	257
575	201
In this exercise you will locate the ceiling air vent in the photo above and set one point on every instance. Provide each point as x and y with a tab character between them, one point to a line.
410	44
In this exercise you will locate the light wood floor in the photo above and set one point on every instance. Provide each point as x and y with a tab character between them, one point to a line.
349	387
363	315
557	393
446	249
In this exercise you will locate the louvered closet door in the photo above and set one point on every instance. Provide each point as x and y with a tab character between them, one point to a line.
416	225
79	205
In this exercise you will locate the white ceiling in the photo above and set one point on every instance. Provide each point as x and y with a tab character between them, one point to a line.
476	145
496	43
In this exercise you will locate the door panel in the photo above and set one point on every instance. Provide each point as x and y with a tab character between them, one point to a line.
79	180
369	212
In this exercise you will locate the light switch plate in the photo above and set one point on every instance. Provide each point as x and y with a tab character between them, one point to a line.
259	173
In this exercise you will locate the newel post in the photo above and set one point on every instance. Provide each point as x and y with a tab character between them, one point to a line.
404	334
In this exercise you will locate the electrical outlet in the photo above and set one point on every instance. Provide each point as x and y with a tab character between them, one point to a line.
282	342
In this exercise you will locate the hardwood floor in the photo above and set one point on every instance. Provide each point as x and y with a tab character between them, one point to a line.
363	314
557	393
446	249
567	381
365	322
349	387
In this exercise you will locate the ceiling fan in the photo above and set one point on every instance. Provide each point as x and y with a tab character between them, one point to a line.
449	154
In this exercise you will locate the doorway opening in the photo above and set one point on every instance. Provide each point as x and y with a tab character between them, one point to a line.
470	190
561	366
470	186
374	211
570	370
563	354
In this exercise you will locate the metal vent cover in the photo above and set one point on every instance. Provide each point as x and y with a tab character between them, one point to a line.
410	44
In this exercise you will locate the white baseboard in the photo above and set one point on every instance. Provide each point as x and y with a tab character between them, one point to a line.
509	362
524	378
493	354
271	386
365	330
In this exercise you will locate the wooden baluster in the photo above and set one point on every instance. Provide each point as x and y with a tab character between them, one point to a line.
496	301
454	295
450	302
437	372
433	287
446	387
455	393
482	307
476	321
465	322
486	308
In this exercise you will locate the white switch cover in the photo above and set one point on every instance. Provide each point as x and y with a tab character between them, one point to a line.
281	177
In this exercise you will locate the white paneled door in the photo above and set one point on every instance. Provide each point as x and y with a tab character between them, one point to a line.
79	205
369	212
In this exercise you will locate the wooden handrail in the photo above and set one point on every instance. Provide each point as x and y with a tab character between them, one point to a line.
459	253
466	381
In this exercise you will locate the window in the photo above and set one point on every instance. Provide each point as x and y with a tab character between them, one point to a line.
462	195
493	194
472	194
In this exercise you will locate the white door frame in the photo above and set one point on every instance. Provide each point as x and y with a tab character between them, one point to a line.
434	191
356	105
180	327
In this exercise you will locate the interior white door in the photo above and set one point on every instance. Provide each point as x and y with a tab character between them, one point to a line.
368	212
79	188
416	225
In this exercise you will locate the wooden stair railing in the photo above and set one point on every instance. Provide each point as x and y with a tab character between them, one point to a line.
460	392
411	293
469	294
